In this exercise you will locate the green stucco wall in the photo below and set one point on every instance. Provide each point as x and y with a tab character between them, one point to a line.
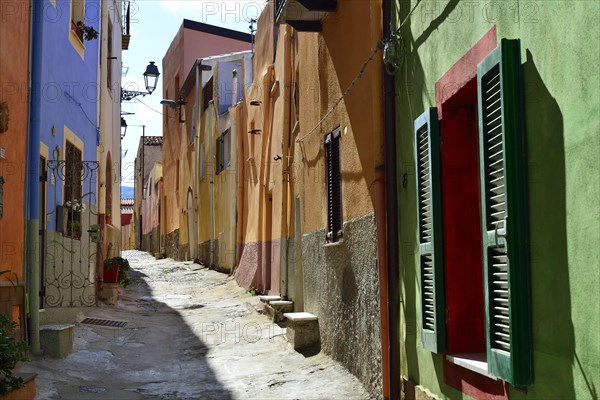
560	44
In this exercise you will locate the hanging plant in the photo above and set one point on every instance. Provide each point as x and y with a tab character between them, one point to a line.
4	116
86	32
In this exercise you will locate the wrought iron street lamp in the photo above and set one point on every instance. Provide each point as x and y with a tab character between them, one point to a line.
123	127
150	80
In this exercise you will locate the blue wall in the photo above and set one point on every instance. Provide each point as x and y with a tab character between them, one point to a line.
65	90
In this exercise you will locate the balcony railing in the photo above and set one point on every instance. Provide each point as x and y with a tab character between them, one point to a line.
126	25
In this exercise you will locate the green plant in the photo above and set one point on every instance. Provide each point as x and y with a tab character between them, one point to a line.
89	33
11	352
123	266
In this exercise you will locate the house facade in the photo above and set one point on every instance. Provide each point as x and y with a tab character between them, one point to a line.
14	68
308	175
109	146
151	209
215	131
150	152
498	186
62	201
193	40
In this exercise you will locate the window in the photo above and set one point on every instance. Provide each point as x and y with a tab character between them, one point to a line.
223	151
73	189
109	60
177	176
334	186
77	17
202	161
472	221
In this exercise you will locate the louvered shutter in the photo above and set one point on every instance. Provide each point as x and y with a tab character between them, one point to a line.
334	186
429	203
504	214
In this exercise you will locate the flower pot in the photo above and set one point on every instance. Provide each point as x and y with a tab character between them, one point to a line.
111	274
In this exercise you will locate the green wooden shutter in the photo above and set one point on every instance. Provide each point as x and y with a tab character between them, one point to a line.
429	203
504	214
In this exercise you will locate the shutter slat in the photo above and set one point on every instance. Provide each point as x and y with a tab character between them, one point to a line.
428	212
504	214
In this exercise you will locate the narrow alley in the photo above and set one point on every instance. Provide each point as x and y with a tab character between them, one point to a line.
190	333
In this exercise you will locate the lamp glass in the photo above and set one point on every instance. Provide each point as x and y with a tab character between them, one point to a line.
151	77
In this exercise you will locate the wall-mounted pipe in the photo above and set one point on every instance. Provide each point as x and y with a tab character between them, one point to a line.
391	197
211	177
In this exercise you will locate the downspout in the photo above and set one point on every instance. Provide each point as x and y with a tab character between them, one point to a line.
211	181
287	87
391	199
379	186
195	121
31	234
239	216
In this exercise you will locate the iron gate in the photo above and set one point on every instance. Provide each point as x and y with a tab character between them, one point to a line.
71	233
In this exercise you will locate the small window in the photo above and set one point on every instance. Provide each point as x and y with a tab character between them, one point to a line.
202	161
334	186
224	151
109	61
177	176
77	17
73	189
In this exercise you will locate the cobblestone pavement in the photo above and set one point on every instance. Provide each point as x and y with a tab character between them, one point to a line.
191	333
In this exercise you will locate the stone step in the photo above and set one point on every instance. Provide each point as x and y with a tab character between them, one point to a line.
303	331
266	298
276	309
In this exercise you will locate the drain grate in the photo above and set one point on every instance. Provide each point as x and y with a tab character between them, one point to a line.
104	322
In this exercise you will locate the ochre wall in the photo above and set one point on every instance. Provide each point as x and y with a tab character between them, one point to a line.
329	64
14	67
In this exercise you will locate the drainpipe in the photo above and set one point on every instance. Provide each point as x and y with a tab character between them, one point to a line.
391	197
32	239
285	162
211	105
195	121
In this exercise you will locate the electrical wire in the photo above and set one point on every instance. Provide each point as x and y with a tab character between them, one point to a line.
380	45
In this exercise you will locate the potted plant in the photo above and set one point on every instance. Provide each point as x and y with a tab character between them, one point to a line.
74	229
115	271
84	32
11	351
107	215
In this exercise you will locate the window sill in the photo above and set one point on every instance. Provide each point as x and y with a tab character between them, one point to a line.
334	244
475	362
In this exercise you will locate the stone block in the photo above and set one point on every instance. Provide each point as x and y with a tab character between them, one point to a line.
57	340
302	331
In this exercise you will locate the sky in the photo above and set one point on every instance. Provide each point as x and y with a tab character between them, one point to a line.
154	24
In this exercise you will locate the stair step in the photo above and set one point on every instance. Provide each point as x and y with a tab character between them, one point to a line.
266	299
300	316
281	303
302	331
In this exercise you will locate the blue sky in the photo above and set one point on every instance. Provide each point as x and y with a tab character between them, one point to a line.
154	24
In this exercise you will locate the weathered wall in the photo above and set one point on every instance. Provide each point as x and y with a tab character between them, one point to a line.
341	287
339	282
14	67
560	58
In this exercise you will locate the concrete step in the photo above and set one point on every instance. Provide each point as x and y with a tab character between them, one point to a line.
303	331
266	298
276	309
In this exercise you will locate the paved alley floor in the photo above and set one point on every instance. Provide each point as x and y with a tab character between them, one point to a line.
191	333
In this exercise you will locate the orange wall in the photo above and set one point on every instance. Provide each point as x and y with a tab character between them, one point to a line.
14	65
328	66
187	46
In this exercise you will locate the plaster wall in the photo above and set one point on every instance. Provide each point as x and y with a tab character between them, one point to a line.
341	288
14	69
187	46
563	148
109	148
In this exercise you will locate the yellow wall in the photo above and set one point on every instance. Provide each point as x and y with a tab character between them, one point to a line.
328	65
